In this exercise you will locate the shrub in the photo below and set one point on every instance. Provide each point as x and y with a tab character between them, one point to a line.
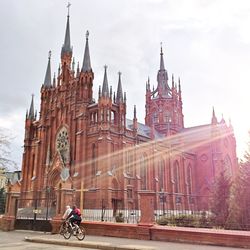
186	220
2	200
119	217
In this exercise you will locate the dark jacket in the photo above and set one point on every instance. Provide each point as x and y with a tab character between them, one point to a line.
75	215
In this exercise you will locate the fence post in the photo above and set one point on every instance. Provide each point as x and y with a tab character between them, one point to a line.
147	214
12	196
147	208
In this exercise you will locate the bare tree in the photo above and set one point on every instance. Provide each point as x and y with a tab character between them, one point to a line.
5	158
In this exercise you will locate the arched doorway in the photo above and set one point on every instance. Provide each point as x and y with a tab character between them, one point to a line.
52	193
228	166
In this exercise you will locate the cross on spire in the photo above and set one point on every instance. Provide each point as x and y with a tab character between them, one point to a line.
161	59
68	6
66	48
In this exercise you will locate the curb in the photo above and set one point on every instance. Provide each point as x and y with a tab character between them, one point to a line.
87	244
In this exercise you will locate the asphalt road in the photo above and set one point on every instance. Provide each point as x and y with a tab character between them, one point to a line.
14	240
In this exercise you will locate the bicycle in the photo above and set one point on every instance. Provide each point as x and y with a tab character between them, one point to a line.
67	230
63	227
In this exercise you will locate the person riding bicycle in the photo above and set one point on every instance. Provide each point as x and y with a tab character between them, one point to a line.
74	216
67	212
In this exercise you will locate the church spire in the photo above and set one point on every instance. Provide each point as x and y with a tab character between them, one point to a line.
47	79
172	81
162	67
54	80
86	66
135	124
179	84
105	87
31	114
135	112
162	79
119	96
214	118
66	48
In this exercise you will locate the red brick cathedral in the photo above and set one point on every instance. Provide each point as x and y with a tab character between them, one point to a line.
86	151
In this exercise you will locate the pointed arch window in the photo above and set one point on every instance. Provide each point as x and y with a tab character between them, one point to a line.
94	163
95	117
167	117
33	166
228	166
143	172
102	115
122	120
112	116
131	162
161	174
127	168
189	180
155	118
176	177
108	115
92	117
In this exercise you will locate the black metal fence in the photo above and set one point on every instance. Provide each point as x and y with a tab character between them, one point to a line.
114	210
121	215
2	205
40	209
169	209
195	211
34	214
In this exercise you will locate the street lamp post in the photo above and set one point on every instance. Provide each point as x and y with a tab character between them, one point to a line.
162	199
103	210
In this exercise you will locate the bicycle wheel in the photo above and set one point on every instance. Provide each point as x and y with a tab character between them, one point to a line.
63	228
80	233
67	233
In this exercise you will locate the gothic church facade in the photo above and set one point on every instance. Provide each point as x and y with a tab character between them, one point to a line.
88	152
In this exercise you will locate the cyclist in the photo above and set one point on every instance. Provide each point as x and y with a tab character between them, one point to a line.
67	212
75	216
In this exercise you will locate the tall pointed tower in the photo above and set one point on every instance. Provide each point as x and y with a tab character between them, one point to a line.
66	53
86	76
29	149
164	104
121	102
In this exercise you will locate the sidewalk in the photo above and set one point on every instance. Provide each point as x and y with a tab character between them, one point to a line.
93	243
96	242
112	243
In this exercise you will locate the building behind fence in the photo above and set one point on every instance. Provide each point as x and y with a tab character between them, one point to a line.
88	152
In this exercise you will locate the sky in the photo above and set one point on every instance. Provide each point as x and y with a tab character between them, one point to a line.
205	42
